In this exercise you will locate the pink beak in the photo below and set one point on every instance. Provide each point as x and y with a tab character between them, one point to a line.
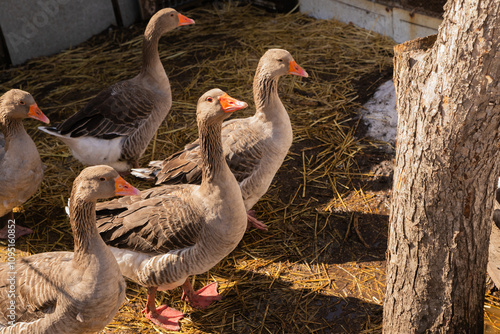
294	68
37	114
123	188
184	21
230	104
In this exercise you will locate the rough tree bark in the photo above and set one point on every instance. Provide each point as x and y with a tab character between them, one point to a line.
447	167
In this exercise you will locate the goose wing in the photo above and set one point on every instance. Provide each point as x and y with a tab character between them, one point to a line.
118	110
242	148
40	283
157	221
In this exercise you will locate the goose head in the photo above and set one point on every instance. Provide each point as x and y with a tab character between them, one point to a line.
17	104
99	182
166	20
216	105
278	62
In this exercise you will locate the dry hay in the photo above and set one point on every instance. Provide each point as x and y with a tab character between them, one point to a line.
320	267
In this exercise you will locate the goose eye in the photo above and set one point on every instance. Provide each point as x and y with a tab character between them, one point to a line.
209	99
280	60
172	15
102	179
22	103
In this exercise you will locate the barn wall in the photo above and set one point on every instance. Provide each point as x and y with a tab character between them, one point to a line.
395	22
33	28
44	27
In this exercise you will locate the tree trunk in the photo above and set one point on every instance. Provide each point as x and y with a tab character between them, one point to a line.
446	172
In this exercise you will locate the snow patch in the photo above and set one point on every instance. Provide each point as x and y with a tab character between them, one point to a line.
380	115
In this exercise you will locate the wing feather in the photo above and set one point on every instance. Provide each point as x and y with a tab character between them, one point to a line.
159	220
116	111
36	288
242	148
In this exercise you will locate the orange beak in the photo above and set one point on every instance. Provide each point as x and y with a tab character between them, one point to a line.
230	104
294	68
36	113
123	188
184	21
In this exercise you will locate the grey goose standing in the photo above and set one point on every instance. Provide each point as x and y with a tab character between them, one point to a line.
68	292
21	170
171	232
116	126
254	147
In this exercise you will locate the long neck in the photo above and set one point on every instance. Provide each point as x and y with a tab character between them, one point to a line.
151	63
83	223
10	128
265	89
212	159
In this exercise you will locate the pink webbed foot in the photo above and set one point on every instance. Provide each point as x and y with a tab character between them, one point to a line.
202	298
19	231
252	221
165	317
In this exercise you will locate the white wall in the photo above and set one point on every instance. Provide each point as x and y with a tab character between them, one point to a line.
397	23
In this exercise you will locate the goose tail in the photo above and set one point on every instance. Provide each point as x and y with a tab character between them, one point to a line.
51	130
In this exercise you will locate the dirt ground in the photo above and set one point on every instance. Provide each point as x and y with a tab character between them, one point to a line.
320	268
